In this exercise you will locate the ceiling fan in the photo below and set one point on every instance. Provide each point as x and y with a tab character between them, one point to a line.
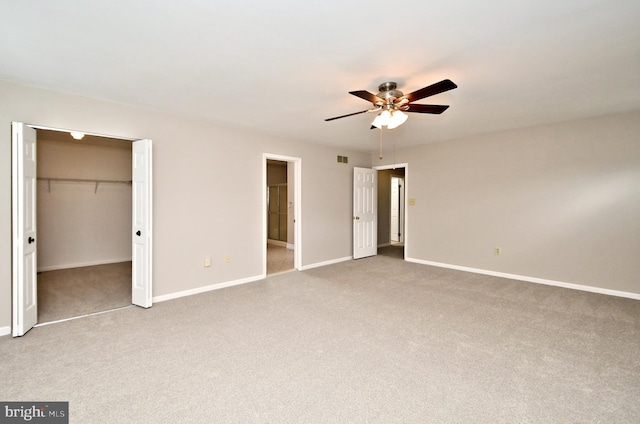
391	103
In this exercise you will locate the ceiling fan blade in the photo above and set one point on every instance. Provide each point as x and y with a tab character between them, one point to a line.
432	90
363	94
436	109
344	116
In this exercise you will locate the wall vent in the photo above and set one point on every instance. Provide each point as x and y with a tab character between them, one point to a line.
343	159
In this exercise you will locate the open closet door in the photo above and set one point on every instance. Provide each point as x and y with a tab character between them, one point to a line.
142	228
365	212
23	200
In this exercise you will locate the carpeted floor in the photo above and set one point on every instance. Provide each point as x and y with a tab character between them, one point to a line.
73	292
375	340
393	251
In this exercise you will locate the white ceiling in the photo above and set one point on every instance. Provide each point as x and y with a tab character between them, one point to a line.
283	66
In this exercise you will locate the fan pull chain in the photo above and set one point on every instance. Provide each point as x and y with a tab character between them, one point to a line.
380	142
394	150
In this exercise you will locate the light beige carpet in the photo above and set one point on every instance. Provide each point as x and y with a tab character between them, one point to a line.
375	340
394	251
72	292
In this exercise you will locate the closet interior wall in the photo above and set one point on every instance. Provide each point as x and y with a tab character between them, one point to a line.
83	201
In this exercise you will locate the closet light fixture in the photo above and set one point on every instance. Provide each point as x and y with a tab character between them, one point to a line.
77	135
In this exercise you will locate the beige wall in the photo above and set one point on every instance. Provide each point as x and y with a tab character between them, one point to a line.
561	201
197	168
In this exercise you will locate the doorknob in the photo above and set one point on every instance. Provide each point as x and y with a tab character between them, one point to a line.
356	217
30	240
138	233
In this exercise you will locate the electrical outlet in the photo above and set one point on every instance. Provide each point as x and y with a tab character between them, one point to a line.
207	261
497	251
227	259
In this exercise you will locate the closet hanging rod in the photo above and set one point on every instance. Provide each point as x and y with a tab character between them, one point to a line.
82	180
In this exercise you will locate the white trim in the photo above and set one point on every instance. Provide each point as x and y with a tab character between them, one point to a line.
82	264
331	262
383	245
208	288
291	246
5	331
536	280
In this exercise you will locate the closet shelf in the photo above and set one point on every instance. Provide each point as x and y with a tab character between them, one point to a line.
81	180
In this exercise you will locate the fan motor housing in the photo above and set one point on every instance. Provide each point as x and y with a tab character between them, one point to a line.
388	91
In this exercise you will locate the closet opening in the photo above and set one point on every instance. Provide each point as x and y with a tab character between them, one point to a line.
84	202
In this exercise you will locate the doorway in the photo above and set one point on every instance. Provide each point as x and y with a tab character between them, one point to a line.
25	236
392	225
281	212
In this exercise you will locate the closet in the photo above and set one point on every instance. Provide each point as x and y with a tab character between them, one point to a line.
84	225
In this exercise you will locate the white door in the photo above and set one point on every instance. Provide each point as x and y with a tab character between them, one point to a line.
365	212
397	209
24	266
142	228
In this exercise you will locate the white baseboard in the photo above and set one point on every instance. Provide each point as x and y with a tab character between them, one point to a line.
208	288
5	331
290	246
82	264
331	262
384	245
572	286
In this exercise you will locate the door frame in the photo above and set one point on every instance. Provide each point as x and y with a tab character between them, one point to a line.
148	196
296	162
406	202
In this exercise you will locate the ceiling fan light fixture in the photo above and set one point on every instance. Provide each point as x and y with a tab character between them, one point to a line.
397	118
382	119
